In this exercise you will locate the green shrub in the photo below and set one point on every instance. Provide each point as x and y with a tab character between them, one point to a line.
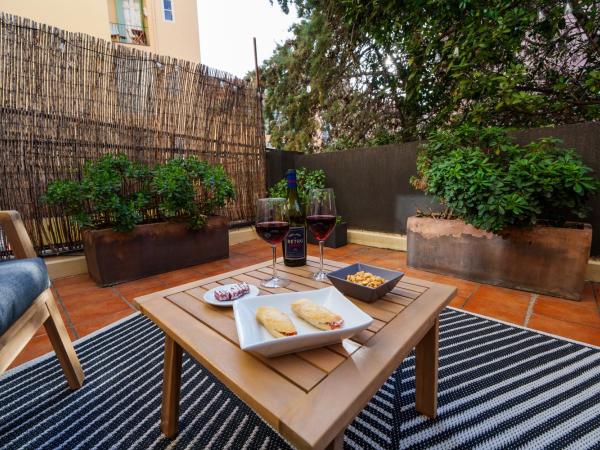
307	181
180	182
116	192
490	182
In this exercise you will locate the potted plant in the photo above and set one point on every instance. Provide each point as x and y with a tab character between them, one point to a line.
136	221
307	181
507	211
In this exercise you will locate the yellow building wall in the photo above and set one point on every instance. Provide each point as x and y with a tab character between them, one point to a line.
82	16
179	38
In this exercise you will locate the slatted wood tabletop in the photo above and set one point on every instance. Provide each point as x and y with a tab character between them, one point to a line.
310	396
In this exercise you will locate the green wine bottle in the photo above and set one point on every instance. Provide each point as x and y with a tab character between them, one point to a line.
294	245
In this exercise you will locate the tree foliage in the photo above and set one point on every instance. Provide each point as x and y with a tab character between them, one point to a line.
361	72
487	180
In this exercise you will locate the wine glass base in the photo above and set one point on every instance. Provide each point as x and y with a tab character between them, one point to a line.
320	276
275	282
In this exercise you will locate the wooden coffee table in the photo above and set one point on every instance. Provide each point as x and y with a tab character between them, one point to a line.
309	397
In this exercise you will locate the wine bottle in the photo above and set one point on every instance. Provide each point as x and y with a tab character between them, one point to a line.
294	245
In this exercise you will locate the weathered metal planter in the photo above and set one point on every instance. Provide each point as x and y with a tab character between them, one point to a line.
337	238
546	260
115	257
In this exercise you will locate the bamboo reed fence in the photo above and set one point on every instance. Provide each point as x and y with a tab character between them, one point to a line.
67	97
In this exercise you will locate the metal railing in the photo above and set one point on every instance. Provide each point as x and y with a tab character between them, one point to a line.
128	34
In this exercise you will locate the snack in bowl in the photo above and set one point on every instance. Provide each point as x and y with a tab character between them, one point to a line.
317	315
366	279
277	323
231	292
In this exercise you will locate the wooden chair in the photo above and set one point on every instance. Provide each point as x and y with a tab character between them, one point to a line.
42	310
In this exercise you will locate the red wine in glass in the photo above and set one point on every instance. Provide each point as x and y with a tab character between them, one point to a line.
320	218
272	225
321	226
272	232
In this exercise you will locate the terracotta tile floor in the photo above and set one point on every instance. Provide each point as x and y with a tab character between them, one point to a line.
86	307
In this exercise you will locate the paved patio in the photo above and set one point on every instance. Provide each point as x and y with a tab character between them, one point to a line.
87	308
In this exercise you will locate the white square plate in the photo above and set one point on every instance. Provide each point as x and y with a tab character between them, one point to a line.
254	337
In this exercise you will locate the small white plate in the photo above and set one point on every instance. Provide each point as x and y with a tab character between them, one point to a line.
254	337
209	296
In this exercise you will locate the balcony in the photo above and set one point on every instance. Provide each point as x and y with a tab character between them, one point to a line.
164	367
128	34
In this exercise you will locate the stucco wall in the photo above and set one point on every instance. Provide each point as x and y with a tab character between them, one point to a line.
179	39
82	16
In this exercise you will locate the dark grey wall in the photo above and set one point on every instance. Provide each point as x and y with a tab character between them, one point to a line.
372	184
278	163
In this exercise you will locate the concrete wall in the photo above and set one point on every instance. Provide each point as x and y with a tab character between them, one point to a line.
82	16
372	185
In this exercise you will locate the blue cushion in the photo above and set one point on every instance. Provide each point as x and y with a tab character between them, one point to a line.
21	282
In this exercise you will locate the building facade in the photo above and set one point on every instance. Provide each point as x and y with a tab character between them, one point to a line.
166	27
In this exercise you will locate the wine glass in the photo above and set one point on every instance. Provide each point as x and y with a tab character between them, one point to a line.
272	225
320	218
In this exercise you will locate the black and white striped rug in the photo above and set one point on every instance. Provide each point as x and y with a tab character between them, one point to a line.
500	387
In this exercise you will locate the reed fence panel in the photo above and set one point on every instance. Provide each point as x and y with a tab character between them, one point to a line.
68	97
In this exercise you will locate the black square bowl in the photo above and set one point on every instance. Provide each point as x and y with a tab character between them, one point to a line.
364	293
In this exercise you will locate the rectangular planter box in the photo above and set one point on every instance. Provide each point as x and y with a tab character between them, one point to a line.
546	260
115	257
337	238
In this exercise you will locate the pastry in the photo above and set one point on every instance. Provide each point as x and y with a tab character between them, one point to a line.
318	316
275	321
232	292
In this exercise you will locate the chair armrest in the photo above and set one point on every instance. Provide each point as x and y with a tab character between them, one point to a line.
15	231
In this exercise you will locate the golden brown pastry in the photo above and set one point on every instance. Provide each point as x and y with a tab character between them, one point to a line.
318	316
275	321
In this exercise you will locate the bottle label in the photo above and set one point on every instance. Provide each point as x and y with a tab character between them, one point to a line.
295	243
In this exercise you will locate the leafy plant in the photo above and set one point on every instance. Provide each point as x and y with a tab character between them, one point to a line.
114	191
68	195
489	181
358	73
307	180
180	182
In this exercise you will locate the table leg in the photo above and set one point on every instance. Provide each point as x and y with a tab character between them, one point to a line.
426	371
169	415
337	443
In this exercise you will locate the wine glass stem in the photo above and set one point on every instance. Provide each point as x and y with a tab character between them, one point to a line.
321	244
274	261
